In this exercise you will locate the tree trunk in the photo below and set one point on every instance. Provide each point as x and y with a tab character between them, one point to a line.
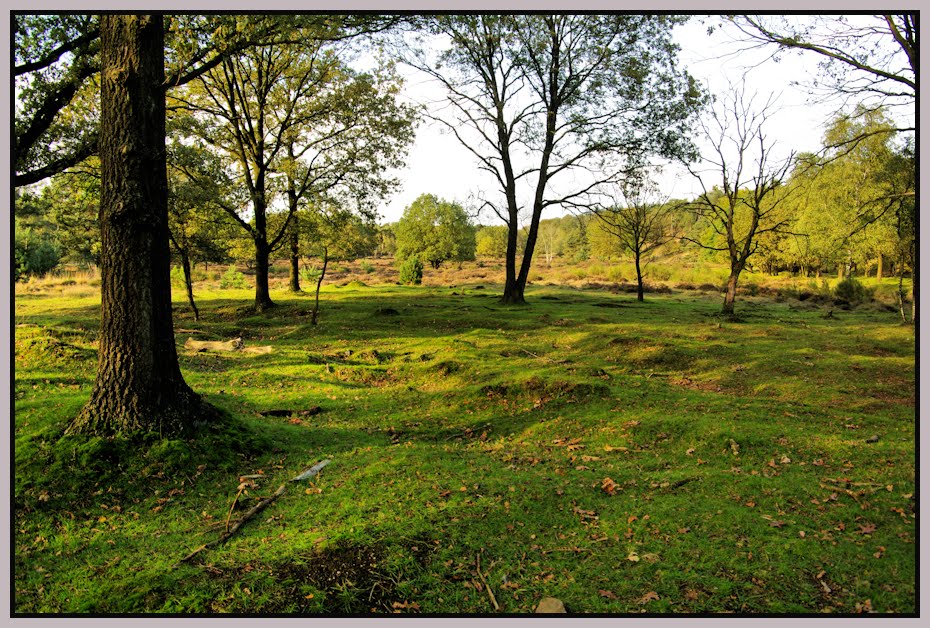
138	385
262	298
295	258
319	282
878	271
188	283
639	278
513	293
840	269
730	297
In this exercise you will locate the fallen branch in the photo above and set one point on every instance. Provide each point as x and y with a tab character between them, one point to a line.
487	587
542	357
246	517
309	473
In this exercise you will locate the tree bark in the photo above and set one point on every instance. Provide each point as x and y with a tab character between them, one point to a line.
138	385
188	283
319	282
639	278
262	252
730	296
294	280
878	271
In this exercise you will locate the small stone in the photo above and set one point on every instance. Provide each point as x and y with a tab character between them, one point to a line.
872	439
550	605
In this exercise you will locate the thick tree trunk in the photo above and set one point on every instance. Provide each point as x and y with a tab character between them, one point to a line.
188	283
639	278
729	297
138	385
294	279
262	298
513	292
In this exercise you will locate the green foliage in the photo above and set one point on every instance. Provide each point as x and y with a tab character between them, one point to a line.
366	267
435	231
177	277
411	271
232	278
852	291
34	254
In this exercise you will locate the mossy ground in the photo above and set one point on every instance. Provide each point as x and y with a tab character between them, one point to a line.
623	457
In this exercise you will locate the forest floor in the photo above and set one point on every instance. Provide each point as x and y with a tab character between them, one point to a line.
622	457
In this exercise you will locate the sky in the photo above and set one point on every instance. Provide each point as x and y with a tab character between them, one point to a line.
438	164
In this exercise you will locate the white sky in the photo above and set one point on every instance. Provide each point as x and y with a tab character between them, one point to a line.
438	164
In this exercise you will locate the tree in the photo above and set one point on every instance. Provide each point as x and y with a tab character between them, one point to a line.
138	386
639	221
197	228
335	233
435	230
300	112
868	60
573	100
747	202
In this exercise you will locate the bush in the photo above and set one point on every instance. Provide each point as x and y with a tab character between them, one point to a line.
310	275
851	291
232	278
366	267
177	277
33	255
411	271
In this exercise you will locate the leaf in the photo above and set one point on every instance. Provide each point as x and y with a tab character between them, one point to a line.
777	524
868	528
649	597
690	451
633	557
785	460
610	448
609	486
610	595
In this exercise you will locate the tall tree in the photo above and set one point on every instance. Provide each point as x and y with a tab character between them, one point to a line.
744	201
572	100
435	230
139	386
298	110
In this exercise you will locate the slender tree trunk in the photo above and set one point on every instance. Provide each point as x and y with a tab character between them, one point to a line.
138	385
639	277
840	269
295	257
188	283
878	271
319	282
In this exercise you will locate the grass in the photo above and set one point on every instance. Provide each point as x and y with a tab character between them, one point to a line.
623	457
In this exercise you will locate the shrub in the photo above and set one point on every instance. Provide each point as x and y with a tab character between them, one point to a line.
411	271
232	278
851	291
177	276
310	275
366	267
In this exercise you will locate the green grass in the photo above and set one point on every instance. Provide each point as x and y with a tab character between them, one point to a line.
623	457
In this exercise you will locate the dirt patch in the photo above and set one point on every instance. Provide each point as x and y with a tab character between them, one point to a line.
541	389
446	368
355	579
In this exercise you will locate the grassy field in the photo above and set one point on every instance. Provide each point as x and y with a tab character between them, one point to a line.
623	457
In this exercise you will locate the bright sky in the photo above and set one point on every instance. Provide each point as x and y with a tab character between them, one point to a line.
438	164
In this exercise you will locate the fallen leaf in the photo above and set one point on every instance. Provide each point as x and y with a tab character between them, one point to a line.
691	595
802	534
609	448
868	528
609	486
690	451
785	460
649	597
633	557
610	595
309	596
777	524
